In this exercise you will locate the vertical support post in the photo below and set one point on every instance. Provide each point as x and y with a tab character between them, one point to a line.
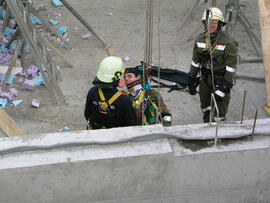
264	11
243	107
23	56
254	124
215	108
6	19
13	62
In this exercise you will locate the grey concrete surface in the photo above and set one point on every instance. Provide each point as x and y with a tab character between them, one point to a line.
154	171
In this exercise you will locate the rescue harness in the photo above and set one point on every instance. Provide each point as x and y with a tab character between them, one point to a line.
104	108
104	105
149	116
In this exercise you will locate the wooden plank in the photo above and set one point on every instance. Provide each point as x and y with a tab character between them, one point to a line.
108	48
83	21
264	11
16	70
48	43
8	125
12	63
266	108
33	46
48	26
6	19
111	51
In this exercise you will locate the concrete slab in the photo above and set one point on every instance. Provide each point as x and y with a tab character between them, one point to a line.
150	171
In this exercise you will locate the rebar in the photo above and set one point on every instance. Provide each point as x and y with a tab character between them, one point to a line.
243	106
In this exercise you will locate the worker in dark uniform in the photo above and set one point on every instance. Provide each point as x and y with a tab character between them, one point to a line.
106	107
215	58
155	110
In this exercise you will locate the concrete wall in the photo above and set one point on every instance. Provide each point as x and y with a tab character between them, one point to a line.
153	171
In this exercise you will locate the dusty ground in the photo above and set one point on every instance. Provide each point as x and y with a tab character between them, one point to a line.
122	23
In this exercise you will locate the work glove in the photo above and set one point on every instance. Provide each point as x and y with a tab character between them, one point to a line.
205	55
167	119
222	88
191	85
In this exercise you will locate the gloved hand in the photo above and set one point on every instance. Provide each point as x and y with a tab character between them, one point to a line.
192	86
167	119
205	55
222	88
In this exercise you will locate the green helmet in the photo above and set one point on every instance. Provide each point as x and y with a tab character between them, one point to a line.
110	69
214	14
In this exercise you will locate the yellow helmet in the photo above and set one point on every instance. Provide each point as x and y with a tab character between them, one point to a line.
110	69
214	14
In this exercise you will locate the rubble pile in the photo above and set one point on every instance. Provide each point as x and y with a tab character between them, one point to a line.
28	78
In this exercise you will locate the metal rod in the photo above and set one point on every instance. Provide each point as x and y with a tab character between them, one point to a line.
80	18
243	106
254	124
248	29
250	59
217	120
251	78
189	13
211	114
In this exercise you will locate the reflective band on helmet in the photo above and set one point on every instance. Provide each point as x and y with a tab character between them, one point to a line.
206	109
220	47
230	69
197	65
167	118
219	93
201	45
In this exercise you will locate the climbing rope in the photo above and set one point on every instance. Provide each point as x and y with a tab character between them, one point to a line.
148	54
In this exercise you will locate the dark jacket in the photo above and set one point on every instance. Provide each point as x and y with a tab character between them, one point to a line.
224	57
120	113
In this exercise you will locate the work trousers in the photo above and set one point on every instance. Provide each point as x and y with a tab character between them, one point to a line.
205	99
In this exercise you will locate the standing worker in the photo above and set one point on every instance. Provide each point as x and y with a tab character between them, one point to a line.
155	110
215	57
106	107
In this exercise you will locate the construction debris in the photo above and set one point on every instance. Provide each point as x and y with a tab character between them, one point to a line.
87	36
28	85
35	103
65	129
126	58
16	102
57	3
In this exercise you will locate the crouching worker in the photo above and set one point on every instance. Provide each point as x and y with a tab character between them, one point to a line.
146	99
106	107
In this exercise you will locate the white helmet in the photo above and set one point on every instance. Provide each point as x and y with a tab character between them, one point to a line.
214	14
110	69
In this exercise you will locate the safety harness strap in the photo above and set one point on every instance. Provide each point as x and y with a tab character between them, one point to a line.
111	100
137	103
